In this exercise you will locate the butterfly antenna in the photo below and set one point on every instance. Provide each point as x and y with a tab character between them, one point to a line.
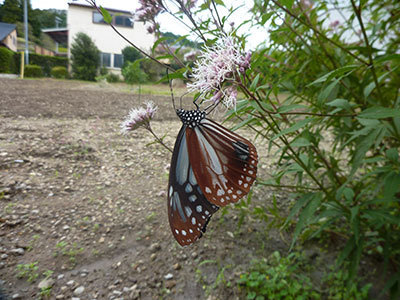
172	91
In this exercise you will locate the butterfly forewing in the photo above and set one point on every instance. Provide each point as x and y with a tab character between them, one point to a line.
188	209
224	163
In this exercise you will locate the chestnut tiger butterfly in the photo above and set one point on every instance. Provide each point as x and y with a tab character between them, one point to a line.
211	167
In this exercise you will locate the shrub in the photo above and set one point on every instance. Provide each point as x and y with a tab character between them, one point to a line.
59	72
6	60
111	78
133	74
85	57
44	61
130	54
154	70
33	71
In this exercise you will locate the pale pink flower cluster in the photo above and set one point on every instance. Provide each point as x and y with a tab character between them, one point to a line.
139	117
148	10
218	64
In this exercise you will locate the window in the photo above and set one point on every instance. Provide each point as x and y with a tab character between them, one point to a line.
118	61
123	21
118	20
98	18
105	60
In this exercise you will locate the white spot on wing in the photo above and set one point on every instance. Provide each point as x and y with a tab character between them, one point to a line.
199	208
208	191
188	211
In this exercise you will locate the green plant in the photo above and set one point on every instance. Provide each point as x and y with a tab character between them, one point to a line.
337	286
277	278
133	73
112	78
29	271
6	60
47	274
85	57
33	71
219	281
44	61
130	54
71	251
59	72
45	292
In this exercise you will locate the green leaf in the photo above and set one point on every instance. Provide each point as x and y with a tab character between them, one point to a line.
391	185
287	3
291	107
306	216
249	120
370	87
387	57
327	91
363	146
392	154
340	103
106	15
382	216
338	72
346	251
355	222
254	83
159	41
293	128
379	112
297	206
300	142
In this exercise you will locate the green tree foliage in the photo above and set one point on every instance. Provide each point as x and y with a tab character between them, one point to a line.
130	54
85	57
12	11
133	73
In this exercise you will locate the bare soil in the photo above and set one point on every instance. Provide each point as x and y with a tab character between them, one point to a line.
82	201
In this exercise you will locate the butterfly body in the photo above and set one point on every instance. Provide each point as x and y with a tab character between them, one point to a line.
211	167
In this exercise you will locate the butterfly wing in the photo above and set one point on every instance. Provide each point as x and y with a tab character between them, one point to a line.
224	163
188	209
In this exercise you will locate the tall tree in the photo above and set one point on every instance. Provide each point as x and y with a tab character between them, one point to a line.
12	11
85	57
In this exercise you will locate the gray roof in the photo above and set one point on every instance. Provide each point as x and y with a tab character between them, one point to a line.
6	29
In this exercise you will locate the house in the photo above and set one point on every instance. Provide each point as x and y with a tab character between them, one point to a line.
8	36
86	19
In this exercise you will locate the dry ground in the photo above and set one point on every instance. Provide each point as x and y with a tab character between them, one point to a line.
87	206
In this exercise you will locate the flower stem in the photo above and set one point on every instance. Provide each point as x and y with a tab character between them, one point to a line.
160	141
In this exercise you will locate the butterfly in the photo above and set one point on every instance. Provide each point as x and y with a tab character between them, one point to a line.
211	167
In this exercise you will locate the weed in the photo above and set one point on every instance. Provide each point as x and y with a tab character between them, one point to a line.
29	271
71	251
277	278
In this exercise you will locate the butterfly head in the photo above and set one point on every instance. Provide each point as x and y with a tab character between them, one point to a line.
191	118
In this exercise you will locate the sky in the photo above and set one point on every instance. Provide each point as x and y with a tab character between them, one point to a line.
167	23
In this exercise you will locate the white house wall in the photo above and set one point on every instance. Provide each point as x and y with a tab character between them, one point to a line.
80	19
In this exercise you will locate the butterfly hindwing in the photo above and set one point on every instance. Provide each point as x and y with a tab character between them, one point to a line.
188	209
224	163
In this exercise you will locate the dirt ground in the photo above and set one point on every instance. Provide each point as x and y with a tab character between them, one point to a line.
85	207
